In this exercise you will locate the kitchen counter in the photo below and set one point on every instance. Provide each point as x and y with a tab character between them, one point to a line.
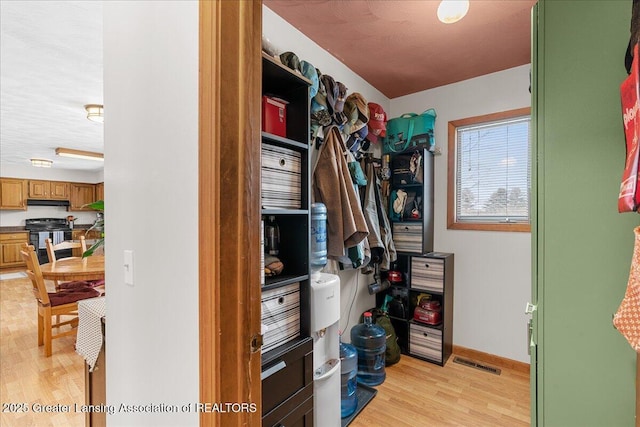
82	226
12	229
19	228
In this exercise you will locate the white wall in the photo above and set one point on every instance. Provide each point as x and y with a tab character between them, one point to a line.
151	182
492	281
354	295
16	218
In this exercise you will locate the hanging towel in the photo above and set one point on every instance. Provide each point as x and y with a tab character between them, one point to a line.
58	237
42	236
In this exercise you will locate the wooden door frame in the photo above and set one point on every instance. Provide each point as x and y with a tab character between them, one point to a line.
229	209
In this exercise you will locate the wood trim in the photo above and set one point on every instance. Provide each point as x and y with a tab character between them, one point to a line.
451	170
208	196
492	359
229	208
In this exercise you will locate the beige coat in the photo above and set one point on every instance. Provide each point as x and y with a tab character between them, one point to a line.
332	185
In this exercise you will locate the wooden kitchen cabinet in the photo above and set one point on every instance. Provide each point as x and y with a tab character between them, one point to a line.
48	190
92	234
10	245
80	195
88	234
100	191
13	194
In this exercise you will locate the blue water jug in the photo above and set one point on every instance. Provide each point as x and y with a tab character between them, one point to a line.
348	383
318	236
371	342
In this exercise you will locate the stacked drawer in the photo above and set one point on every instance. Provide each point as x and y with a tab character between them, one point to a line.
427	274
407	237
425	342
280	315
281	173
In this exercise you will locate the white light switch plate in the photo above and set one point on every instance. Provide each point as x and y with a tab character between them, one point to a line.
128	267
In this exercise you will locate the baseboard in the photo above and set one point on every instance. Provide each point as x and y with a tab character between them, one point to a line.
492	359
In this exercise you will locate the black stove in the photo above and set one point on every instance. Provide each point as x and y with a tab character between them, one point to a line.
40	229
47	224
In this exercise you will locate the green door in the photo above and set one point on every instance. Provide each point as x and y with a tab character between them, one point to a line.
582	369
536	30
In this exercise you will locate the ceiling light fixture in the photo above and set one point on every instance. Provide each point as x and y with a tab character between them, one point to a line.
451	11
79	154
95	112
41	163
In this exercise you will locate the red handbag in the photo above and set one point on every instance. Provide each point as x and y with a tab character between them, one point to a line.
629	196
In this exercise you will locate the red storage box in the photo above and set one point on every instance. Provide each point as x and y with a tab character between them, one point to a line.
274	115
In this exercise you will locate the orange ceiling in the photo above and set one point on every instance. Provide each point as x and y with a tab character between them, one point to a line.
400	47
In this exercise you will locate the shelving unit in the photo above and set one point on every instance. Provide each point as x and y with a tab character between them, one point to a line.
287	357
413	235
424	272
432	274
429	274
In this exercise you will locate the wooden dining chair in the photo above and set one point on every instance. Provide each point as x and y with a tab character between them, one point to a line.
67	244
58	304
51	253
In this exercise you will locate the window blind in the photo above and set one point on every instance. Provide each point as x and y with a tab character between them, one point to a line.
493	172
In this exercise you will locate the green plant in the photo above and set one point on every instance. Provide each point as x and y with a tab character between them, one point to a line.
98	225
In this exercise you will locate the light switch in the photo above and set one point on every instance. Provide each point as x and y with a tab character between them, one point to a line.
128	267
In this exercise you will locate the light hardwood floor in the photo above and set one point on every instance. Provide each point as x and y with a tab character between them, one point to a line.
26	376
415	393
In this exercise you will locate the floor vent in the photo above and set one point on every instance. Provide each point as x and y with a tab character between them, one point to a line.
476	365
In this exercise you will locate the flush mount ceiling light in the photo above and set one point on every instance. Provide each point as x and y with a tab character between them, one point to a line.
41	163
94	112
79	154
451	11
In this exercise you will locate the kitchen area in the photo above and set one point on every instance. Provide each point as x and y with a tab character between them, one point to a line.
34	209
31	211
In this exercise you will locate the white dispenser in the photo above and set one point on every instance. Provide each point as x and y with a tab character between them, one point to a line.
325	315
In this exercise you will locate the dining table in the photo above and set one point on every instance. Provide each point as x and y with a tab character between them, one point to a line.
71	269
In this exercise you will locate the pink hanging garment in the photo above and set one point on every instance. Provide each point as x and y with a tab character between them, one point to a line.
627	318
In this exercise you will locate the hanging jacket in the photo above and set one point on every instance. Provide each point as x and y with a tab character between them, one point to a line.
332	185
380	240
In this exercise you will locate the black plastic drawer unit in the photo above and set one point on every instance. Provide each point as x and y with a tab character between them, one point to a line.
287	382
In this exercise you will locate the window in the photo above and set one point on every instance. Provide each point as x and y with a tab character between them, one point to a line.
489	176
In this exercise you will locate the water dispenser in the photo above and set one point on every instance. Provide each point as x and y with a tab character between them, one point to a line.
325	316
